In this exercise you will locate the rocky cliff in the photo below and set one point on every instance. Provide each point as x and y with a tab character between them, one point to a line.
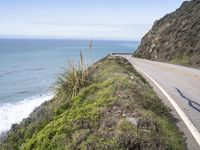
175	38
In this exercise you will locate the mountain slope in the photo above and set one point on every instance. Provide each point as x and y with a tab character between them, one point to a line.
175	38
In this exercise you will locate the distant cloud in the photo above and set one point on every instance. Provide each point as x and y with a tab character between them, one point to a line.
98	27
79	30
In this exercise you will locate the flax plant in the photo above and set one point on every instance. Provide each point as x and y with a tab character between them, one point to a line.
74	78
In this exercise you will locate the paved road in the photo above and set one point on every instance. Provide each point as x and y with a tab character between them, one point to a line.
182	84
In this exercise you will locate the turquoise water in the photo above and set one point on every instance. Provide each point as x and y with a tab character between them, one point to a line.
28	70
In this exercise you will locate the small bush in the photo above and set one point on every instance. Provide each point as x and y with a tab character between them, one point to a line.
74	78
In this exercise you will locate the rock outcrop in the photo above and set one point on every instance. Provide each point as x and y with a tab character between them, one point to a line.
175	38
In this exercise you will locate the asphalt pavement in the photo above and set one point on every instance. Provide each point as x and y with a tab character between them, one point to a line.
179	88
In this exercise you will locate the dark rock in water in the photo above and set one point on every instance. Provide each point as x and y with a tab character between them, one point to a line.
175	38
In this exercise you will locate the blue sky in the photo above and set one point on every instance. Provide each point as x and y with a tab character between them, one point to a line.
81	19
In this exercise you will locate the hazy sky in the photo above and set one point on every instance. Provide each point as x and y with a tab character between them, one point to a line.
97	19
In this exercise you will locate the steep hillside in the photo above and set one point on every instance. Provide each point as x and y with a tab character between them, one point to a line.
175	38
117	110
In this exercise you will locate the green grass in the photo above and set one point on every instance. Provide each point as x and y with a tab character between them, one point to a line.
96	117
181	60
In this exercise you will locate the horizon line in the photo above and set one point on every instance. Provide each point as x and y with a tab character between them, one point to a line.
63	38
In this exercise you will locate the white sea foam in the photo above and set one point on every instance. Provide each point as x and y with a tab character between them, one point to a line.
11	113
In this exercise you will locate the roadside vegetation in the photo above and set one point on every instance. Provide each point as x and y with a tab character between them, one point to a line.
107	106
74	78
184	60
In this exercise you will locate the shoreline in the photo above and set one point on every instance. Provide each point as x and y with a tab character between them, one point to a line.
117	98
14	113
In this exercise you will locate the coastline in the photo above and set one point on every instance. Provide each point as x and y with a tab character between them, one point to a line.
14	113
118	98
22	79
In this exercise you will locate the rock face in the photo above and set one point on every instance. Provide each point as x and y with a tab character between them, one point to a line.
175	38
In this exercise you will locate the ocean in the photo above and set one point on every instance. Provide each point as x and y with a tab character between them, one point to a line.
29	68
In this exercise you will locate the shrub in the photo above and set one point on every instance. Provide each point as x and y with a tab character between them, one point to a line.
74	78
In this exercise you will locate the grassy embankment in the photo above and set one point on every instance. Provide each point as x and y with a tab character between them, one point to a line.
110	106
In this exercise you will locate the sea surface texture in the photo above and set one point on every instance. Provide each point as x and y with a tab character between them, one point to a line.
28	70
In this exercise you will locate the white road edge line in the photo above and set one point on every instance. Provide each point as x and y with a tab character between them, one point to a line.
194	131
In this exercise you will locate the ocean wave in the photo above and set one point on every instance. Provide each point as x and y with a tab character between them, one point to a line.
10	72
22	71
35	69
11	113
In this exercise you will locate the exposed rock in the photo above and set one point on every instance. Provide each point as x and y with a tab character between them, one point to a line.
133	121
175	38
